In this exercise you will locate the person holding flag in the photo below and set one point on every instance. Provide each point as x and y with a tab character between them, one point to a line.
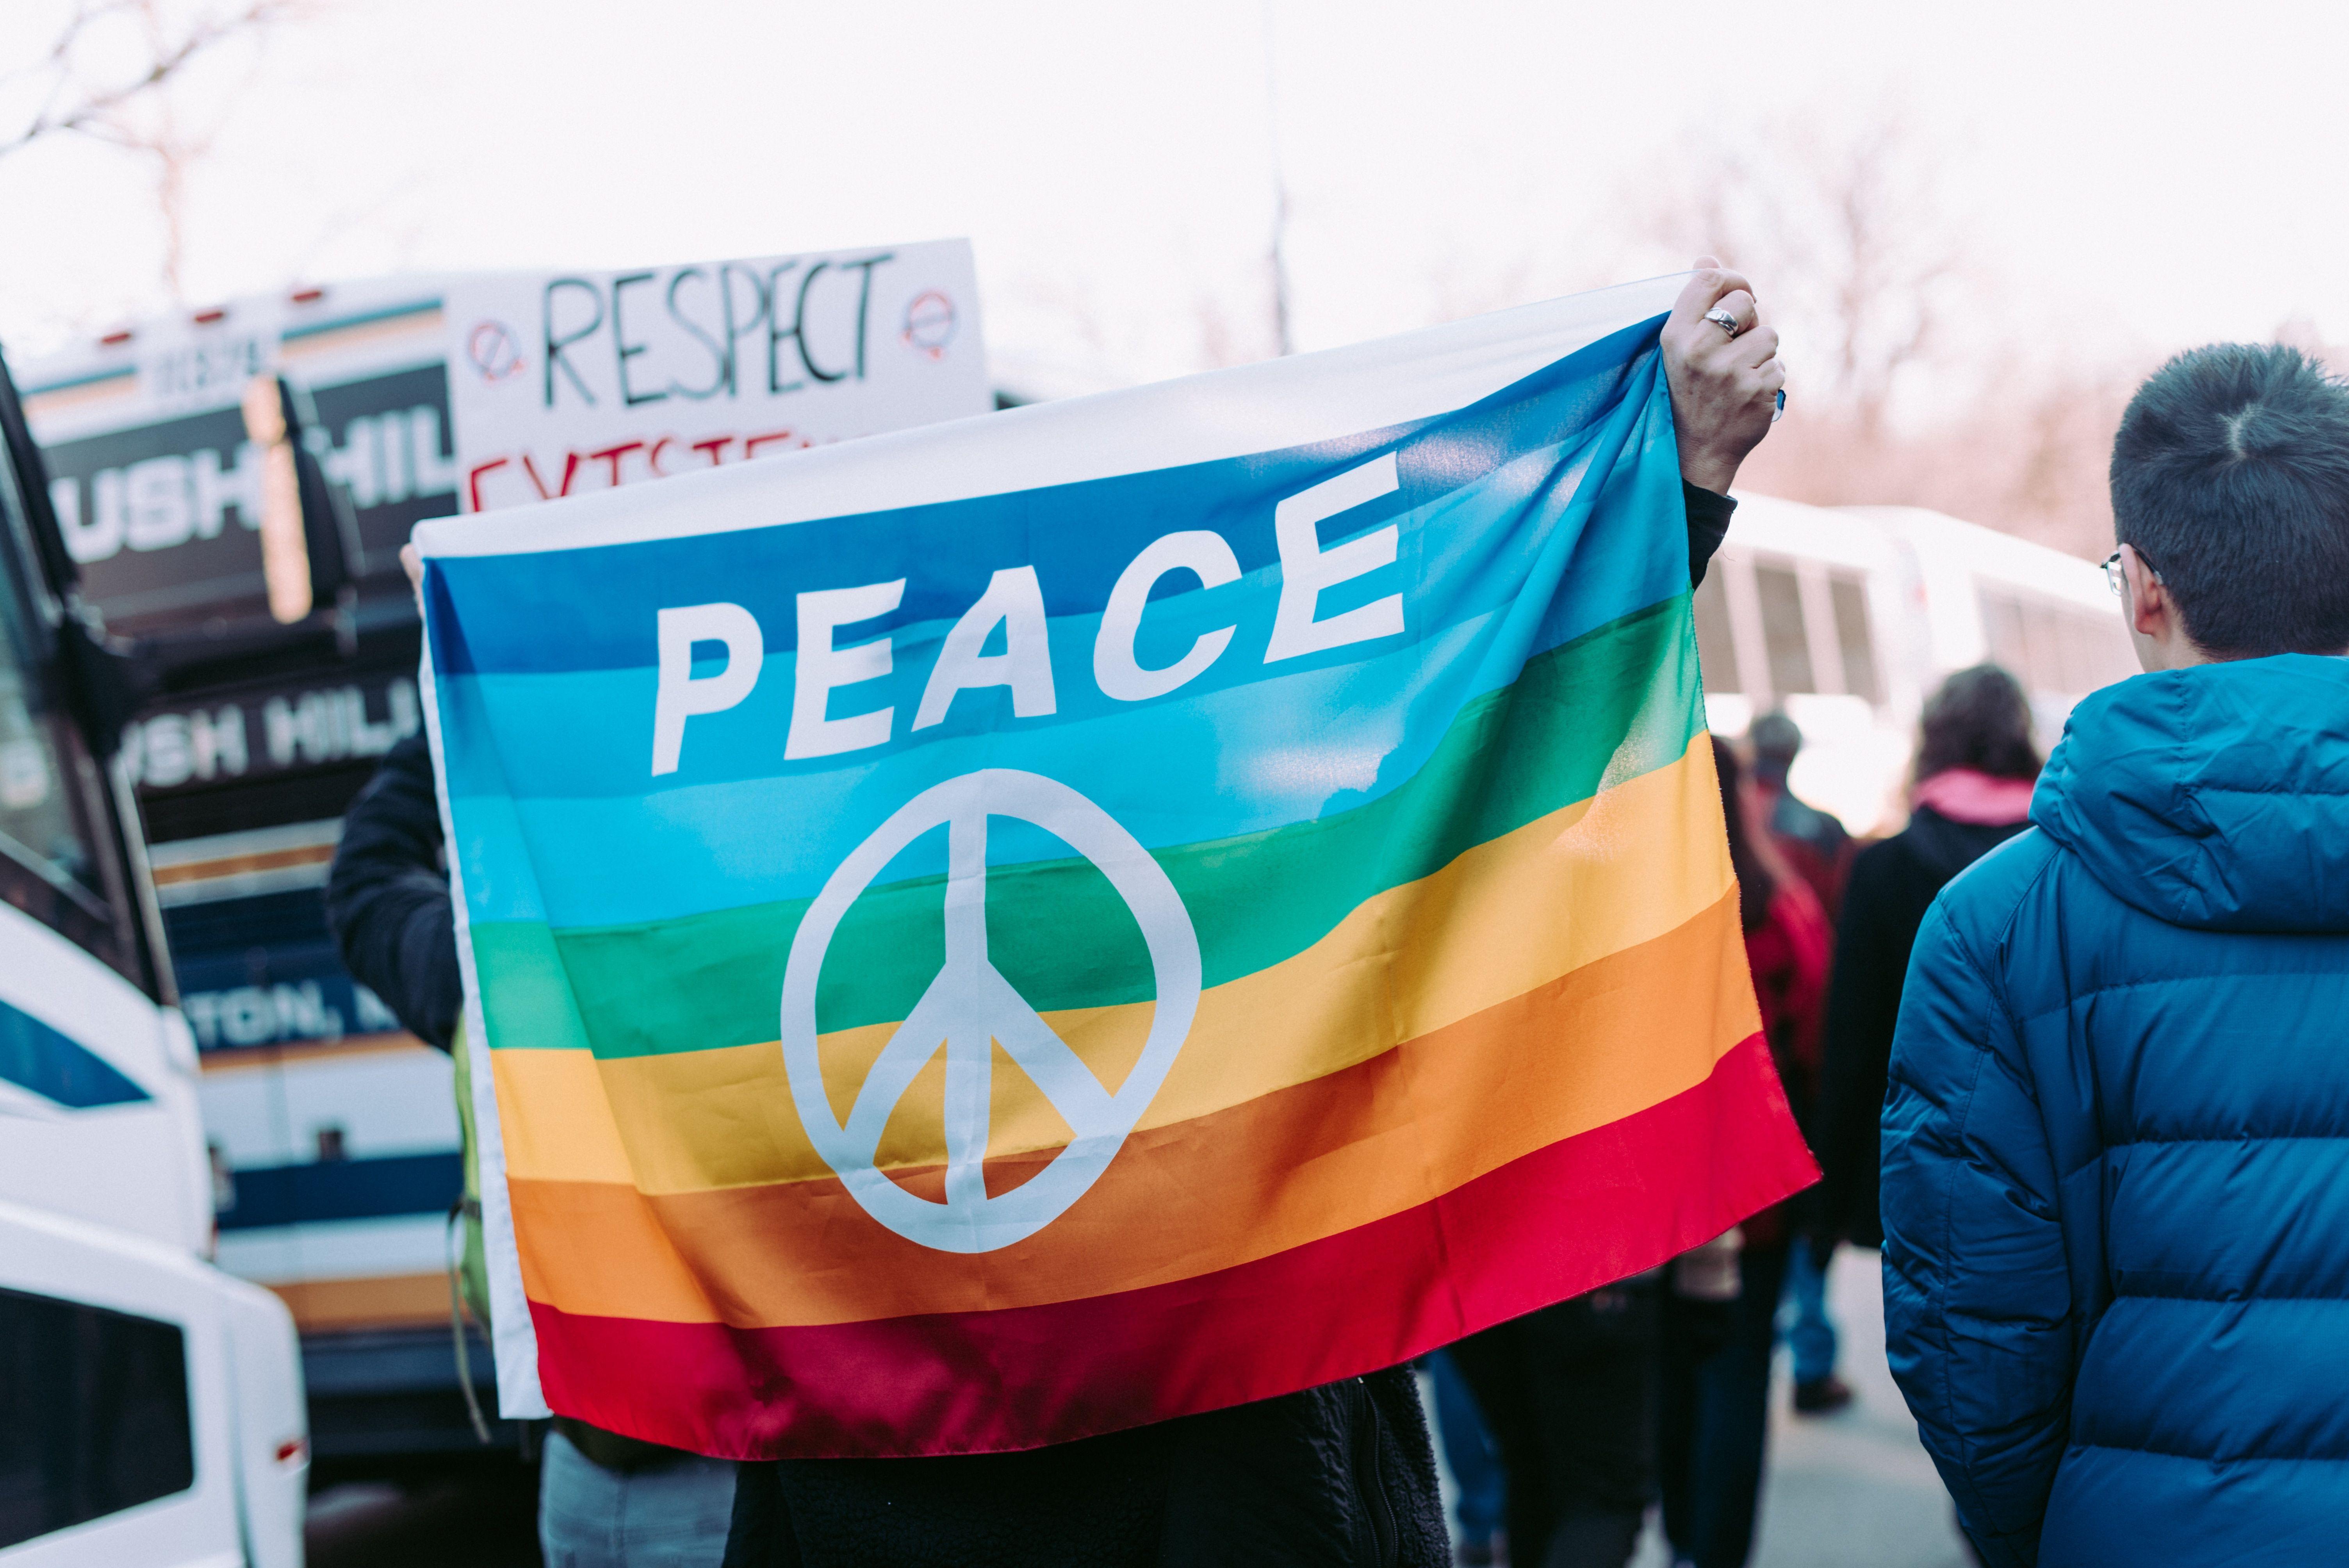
1033	1048
1340	1474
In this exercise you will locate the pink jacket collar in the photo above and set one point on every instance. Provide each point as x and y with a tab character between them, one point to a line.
1964	795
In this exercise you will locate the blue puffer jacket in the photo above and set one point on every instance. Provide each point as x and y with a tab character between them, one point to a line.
2115	1192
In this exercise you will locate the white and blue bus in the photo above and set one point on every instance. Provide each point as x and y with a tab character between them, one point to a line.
333	1134
150	1404
1847	618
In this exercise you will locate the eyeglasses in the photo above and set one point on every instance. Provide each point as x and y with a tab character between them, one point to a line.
2113	577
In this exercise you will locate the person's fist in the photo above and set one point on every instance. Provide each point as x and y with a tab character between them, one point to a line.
1724	387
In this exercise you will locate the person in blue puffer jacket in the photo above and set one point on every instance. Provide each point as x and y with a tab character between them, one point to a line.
2115	1147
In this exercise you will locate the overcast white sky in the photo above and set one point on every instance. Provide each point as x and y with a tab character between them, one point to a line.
2142	175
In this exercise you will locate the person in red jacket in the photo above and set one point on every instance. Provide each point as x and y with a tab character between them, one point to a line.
1715	1385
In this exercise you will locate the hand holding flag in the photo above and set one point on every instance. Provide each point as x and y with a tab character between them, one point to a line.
1725	383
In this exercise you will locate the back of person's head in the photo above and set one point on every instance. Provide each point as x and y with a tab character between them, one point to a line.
1979	719
1760	868
2230	479
1775	739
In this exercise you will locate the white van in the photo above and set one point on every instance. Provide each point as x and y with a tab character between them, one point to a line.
1848	618
150	1404
154	1406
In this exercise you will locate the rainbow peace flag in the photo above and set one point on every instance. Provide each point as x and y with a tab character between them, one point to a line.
1004	932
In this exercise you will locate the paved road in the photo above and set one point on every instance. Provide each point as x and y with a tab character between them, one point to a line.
1849	1491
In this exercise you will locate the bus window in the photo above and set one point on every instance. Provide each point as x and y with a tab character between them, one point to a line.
2043	648
48	864
1716	652
2023	640
2054	649
37	816
1782	629
2053	671
93	1414
57	864
2097	652
1848	596
2004	632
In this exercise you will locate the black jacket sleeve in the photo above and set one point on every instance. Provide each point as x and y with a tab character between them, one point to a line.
1708	520
388	898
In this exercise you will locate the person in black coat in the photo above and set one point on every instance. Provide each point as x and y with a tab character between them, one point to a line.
388	898
1975	768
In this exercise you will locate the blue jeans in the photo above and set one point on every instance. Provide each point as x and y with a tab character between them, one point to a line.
665	1516
1714	1429
1467	1453
1810	1333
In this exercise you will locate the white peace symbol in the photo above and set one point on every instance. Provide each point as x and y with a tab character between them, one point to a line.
968	1005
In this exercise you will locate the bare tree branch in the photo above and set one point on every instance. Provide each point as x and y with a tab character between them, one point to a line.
113	74
74	103
1845	231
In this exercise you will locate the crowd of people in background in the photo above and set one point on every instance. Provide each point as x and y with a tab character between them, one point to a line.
1673	1378
2082	1085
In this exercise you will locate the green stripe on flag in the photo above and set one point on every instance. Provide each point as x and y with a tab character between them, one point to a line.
1613	704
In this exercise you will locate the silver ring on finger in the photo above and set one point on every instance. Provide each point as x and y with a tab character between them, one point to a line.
1726	320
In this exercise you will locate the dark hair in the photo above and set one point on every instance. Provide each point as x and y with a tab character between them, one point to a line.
1979	719
1775	739
2230	477
1756	860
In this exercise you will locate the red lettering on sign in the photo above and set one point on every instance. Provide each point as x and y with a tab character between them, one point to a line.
569	469
473	480
715	445
612	455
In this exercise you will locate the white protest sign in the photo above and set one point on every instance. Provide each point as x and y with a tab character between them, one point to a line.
564	383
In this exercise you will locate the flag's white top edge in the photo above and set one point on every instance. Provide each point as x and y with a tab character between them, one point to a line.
1248	408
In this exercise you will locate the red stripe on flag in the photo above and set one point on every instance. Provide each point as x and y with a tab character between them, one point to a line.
1558	1221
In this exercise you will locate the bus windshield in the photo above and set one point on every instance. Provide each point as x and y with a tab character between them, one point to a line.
50	865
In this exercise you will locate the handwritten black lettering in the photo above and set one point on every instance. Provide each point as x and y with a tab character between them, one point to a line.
737	331
622	349
716	355
798	328
555	346
777	331
865	301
